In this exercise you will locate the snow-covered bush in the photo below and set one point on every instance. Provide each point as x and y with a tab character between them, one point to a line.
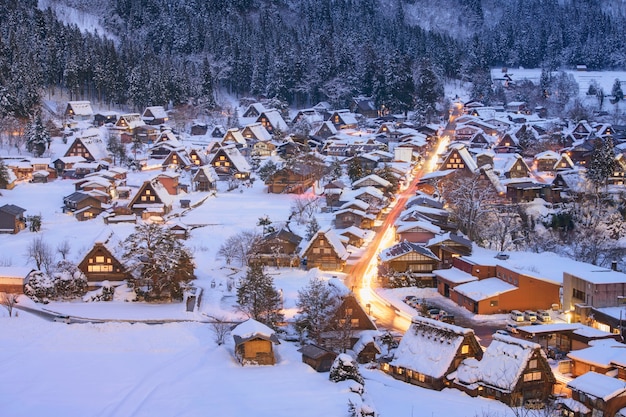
69	281
360	410
104	293
344	368
40	287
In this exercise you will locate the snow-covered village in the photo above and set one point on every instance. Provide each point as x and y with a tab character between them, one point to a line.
199	229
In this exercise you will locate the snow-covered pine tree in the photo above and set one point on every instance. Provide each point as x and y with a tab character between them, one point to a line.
4	175
428	92
602	163
317	304
159	263
37	137
616	91
258	298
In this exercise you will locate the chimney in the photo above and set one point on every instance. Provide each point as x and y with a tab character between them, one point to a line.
614	265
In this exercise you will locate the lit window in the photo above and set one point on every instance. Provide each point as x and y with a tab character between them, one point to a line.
465	349
100	259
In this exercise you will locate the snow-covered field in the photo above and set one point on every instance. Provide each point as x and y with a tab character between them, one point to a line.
175	368
120	369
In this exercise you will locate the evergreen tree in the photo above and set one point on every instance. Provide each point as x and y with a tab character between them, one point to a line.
267	170
117	149
616	91
37	137
208	88
258	298
4	175
317	304
355	170
428	92
602	163
160	264
312	228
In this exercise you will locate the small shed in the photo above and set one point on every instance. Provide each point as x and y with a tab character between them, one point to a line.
317	357
254	343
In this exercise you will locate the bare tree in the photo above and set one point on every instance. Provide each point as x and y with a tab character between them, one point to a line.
8	301
64	248
503	228
39	252
240	247
220	330
471	199
304	207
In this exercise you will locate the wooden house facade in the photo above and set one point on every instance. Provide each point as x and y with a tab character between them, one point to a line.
279	249
318	357
594	394
12	219
100	264
296	179
325	251
152	199
205	179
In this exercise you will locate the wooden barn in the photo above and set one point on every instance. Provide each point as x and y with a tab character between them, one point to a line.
254	343
317	357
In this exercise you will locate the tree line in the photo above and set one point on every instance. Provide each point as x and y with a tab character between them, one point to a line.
300	52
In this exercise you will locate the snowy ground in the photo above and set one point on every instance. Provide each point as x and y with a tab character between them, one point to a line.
120	369
123	369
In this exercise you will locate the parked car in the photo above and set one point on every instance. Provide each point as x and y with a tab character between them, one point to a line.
446	318
512	328
530	315
412	301
544	316
434	313
517	315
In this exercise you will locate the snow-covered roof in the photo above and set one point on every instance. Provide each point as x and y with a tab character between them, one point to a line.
275	119
598	385
356	212
156	112
429	346
372	177
360	204
356	231
402	248
502	363
549	155
601	354
597	275
334	239
258	131
449	236
409	226
365	338
484	289
455	275
251	328
81	108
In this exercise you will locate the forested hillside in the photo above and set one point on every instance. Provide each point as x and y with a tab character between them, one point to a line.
299	51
